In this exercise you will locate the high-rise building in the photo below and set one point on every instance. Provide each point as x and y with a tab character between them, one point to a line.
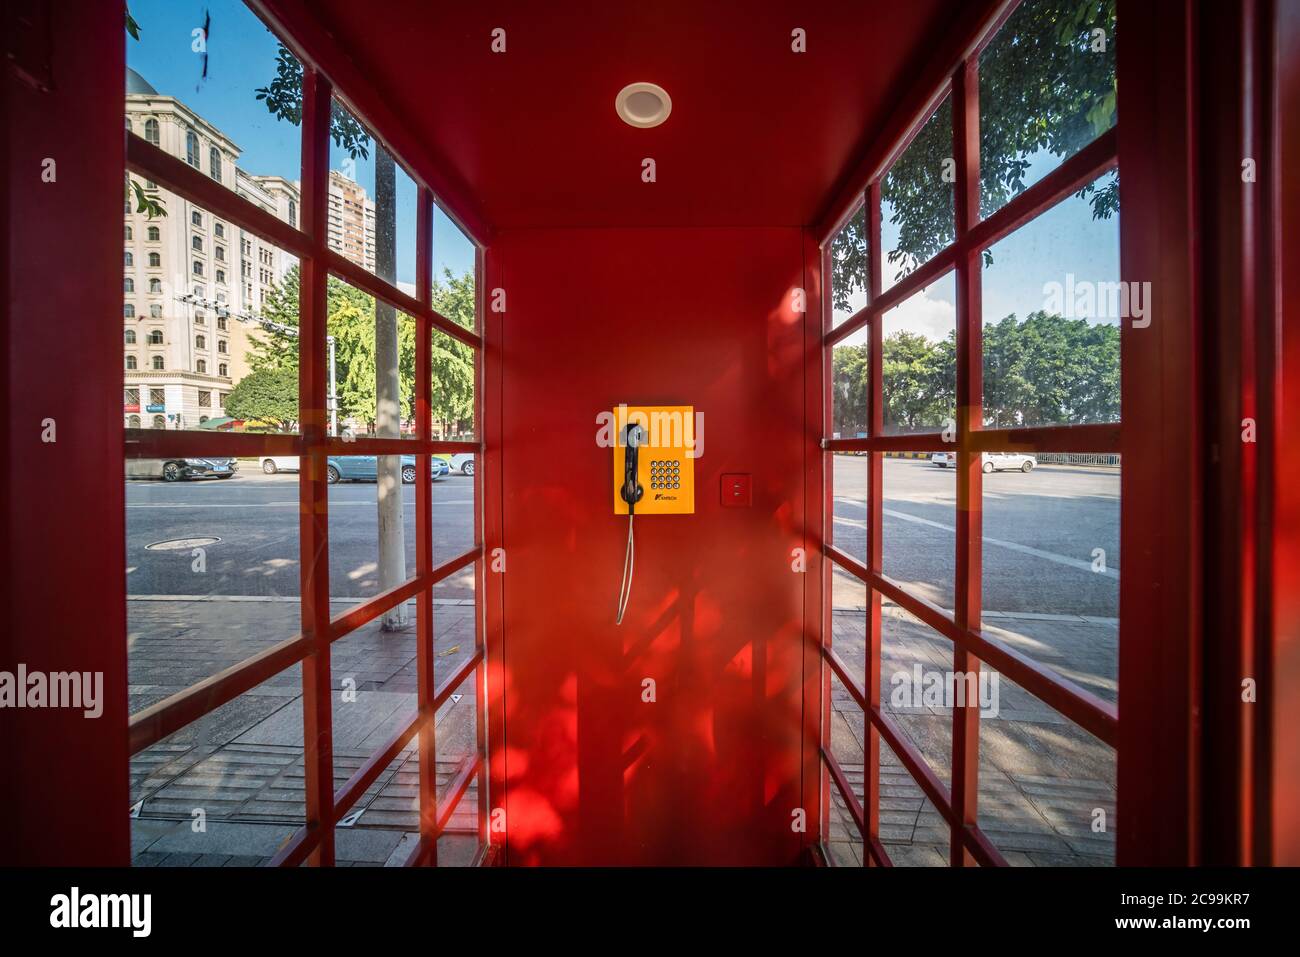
188	276
350	229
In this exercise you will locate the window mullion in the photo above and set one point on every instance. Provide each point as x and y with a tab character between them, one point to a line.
969	532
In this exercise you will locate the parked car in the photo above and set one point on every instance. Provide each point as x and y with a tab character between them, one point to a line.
279	463
990	461
176	470
365	468
462	462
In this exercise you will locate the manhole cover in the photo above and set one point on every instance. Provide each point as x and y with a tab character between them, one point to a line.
182	544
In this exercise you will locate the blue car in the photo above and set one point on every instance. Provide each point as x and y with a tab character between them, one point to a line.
364	468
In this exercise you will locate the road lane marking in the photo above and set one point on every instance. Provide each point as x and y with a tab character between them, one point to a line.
1078	563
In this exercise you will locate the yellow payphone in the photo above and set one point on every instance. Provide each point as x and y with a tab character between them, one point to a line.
654	449
654	471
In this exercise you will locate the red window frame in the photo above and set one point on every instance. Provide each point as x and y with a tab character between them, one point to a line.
325	807
958	804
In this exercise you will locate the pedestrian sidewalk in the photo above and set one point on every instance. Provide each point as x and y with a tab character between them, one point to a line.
241	765
1044	783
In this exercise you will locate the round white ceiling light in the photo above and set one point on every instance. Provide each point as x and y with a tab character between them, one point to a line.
643	105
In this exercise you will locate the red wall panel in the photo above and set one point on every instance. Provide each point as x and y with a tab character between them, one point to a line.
63	789
709	772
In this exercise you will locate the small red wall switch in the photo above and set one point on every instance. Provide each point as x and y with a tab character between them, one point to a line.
736	490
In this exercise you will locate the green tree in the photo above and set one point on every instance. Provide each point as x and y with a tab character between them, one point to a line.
350	320
1047	82
1048	370
850	368
268	396
917	380
451	361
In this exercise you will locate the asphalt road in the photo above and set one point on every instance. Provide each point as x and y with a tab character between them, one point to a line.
1040	533
255	516
1041	530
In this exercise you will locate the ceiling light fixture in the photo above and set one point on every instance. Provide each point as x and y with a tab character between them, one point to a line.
643	105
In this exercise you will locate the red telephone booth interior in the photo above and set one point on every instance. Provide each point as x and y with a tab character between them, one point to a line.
957	421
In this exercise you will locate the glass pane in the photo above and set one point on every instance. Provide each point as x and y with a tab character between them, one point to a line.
211	569
850	371
912	830
382	828
1052	304
1047	791
916	199
1047	89
850	278
367	492
373	674
453	507
207	81
847	739
1052	562
458	843
454	613
372	203
914	660
849	478
919	360
918	525
226	790
200	298
915	678
456	748
375	684
453	255
849	622
362	329
452	363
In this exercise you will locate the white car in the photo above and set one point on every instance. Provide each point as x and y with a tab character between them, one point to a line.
462	462
990	461
279	463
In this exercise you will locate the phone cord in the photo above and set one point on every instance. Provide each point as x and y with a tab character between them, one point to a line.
629	564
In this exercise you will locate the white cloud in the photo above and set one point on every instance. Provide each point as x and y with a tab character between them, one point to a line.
930	317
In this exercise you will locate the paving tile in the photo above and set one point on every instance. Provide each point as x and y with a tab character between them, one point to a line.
224	838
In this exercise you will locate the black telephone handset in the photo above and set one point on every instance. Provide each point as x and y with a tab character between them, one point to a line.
632	490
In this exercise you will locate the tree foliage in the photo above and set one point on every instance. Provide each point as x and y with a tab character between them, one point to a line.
267	396
1047	83
1046	370
350	319
452	361
283	99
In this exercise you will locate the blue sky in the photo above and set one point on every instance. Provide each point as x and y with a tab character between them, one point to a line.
241	58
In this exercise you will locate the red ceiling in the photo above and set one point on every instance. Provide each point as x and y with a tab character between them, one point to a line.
758	135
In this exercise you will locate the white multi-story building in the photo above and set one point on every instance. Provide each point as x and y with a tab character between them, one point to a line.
189	275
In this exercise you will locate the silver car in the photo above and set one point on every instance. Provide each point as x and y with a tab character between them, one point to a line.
990	461
176	470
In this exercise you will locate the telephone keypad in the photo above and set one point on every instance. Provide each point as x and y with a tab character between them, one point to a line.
665	473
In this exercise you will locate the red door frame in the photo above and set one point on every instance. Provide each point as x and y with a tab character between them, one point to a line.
1279	803
64	793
